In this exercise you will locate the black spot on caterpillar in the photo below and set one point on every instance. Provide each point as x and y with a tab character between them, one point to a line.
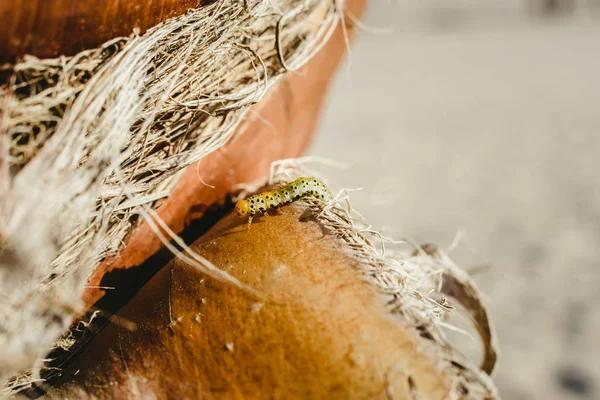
276	198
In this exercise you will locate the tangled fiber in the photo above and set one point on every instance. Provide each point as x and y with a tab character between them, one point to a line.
88	142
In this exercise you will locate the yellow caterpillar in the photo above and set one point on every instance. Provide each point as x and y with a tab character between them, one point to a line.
274	199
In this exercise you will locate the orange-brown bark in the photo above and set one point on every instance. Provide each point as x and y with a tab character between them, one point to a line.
288	118
319	330
49	28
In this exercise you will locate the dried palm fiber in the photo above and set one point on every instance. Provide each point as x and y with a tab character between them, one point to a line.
88	142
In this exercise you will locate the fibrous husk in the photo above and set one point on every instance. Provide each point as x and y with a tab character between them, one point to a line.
418	279
90	142
336	316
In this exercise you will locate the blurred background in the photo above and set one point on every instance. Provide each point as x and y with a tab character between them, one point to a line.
482	120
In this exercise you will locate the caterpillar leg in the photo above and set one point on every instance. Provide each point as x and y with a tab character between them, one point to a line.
266	214
249	221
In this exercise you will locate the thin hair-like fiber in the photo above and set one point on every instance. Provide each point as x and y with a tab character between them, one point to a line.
89	142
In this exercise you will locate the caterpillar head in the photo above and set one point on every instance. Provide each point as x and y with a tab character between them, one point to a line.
242	208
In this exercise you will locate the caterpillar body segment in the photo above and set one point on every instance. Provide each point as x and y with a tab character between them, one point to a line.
274	199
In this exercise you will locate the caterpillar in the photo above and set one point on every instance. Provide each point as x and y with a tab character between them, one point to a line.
274	199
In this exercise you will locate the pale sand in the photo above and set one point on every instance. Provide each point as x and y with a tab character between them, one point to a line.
489	122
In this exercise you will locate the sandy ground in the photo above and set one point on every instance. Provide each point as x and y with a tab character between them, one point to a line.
486	121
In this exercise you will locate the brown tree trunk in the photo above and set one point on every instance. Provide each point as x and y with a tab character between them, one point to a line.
50	28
